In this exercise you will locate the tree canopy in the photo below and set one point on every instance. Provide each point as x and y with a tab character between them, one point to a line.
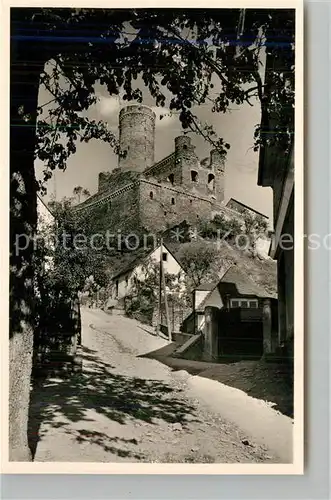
187	52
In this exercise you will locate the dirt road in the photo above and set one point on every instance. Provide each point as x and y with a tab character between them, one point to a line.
125	407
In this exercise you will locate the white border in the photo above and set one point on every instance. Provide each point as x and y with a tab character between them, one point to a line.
215	469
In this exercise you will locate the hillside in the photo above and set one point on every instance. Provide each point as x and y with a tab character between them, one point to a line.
263	272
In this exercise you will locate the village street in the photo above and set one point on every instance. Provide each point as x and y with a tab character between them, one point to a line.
124	407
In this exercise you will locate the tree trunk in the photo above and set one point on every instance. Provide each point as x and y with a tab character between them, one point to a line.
24	87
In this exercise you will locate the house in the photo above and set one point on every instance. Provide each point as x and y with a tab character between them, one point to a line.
45	222
124	288
279	175
276	171
236	317
123	279
195	321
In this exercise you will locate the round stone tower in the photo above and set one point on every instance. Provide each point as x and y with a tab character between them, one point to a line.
137	134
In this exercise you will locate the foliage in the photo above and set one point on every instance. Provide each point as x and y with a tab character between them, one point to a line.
143	298
255	226
220	227
198	260
200	56
74	257
244	233
79	191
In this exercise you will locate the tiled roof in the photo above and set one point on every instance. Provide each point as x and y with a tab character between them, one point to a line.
207	286
201	306
243	283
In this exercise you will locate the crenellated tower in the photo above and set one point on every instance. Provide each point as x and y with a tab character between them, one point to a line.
136	137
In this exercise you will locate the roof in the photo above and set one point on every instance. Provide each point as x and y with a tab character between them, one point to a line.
201	306
236	282
131	265
45	205
247	207
207	286
138	259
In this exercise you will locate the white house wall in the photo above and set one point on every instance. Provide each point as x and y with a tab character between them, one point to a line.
171	266
45	218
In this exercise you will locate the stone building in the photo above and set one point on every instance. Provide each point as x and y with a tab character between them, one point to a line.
141	194
278	172
236	316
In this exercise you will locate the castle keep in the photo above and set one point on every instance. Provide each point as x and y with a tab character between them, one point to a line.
142	195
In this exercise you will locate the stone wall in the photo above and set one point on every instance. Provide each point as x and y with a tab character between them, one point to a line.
116	179
163	206
183	168
116	213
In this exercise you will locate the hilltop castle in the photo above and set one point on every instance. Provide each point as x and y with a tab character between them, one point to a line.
143	195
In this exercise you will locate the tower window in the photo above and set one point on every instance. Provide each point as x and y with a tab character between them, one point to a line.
172	201
211	181
194	176
171	178
164	257
151	195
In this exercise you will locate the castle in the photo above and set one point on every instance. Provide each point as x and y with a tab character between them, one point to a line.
141	195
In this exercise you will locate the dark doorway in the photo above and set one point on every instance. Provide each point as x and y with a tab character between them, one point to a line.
237	338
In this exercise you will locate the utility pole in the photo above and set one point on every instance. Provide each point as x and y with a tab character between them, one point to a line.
163	285
160	292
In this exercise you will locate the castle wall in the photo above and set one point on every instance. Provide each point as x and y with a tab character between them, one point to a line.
165	168
119	211
163	206
115	180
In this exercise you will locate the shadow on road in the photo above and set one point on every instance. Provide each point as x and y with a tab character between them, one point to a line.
259	379
61	400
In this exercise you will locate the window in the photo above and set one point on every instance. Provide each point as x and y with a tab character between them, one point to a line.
171	178
151	195
244	303
211	182
164	257
172	201
190	201
253	304
194	176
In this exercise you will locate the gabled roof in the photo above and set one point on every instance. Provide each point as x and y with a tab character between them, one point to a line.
201	307
131	265
45	205
246	207
137	260
236	282
207	286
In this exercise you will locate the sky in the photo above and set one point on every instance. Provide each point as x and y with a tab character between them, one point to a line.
236	127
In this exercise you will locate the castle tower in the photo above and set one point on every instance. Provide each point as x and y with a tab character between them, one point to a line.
187	162
136	135
216	175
